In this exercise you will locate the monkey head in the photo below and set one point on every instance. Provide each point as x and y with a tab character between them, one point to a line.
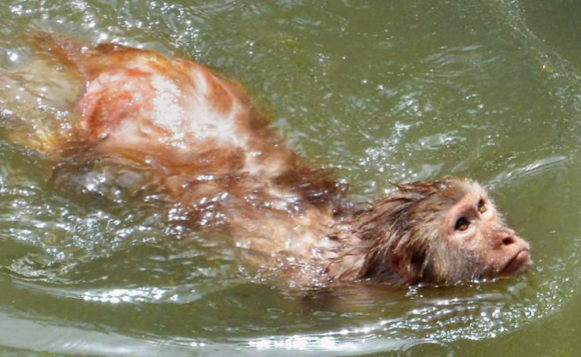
440	232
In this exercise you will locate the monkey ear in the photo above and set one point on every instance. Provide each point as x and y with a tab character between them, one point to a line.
409	266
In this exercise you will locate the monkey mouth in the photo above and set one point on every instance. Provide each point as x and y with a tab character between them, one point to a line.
520	262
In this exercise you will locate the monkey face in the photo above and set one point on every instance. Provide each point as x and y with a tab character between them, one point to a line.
474	242
441	232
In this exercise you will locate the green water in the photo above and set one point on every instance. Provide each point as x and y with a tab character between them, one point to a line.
381	91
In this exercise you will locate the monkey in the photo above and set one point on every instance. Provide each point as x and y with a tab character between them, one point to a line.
210	151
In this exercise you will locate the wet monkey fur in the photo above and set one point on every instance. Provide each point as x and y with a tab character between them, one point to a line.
206	147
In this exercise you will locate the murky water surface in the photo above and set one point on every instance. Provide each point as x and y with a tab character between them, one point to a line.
381	91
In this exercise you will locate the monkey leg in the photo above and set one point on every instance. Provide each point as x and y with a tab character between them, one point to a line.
36	104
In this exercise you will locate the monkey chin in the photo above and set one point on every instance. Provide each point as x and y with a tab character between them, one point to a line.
520	263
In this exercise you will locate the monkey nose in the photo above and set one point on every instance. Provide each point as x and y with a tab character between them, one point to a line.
508	237
508	240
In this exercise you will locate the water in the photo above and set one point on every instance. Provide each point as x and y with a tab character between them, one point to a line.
380	92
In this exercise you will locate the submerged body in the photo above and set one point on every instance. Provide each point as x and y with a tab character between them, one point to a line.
208	149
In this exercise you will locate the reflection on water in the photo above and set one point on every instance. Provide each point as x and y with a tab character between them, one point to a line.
380	91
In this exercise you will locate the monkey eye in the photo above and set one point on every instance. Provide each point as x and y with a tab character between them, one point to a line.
482	207
462	224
